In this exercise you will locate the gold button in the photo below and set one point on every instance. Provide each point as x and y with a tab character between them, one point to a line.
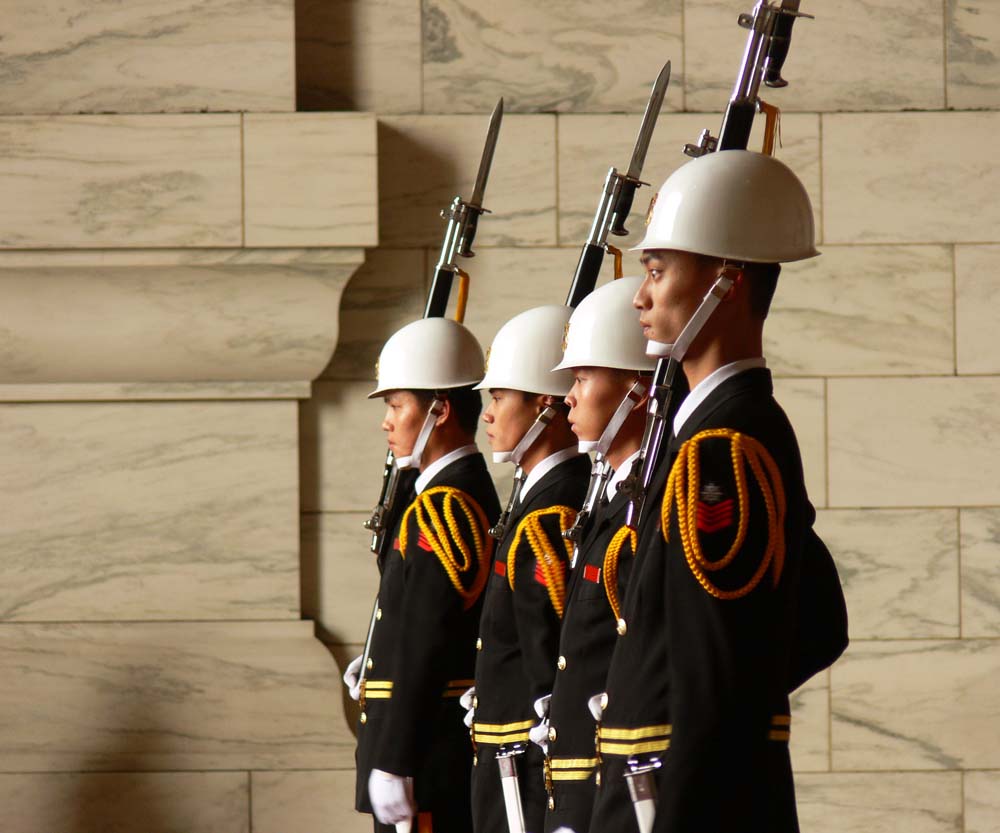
479	644
604	701
364	717
597	778
561	664
552	733
475	702
370	664
622	627
552	803
378	614
475	760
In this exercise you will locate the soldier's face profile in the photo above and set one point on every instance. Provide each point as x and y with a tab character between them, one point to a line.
404	417
674	284
593	399
508	416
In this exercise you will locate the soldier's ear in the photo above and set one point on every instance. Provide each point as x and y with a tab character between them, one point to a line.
445	414
547	401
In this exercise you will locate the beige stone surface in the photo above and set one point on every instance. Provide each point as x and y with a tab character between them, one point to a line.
810	741
310	179
425	161
910	178
358	56
973	54
804	401
169	696
152	391
899	569
142	57
981	791
120	181
913	442
864	310
547	57
306	802
839	61
916	705
153	802
874	802
977	270
980	549
152	510
214	315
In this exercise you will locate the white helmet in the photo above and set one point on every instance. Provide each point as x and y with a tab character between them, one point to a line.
525	351
429	354
734	204
604	330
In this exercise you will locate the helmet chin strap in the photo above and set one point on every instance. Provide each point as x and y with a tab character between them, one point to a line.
414	458
601	446
712	299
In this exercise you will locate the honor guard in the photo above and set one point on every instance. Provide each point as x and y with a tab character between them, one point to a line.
413	754
696	717
525	594
605	351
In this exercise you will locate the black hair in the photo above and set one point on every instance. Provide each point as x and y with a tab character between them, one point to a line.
761	279
466	404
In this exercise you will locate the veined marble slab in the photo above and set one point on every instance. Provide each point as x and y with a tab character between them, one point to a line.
916	705
914	442
358	56
310	179
839	61
980	547
864	310
910	177
306	802
120	181
977	319
425	161
880	802
153	802
810	741
590	144
143	392
973	51
143	57
899	569
138	511
548	57
804	401
169	696
982	801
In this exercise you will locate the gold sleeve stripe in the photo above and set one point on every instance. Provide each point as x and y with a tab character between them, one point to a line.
571	775
682	492
504	727
550	563
639	733
451	549
610	570
572	763
640	748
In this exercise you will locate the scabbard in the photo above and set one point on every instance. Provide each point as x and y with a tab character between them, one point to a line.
641	781
507	762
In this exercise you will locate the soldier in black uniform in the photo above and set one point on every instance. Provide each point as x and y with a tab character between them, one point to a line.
413	754
525	595
706	655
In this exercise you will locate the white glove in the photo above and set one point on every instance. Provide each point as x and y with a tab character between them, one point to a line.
352	678
391	796
539	735
563	830
542	705
467	701
596	705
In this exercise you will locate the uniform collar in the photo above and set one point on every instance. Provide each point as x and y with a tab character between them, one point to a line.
544	467
429	473
620	474
701	391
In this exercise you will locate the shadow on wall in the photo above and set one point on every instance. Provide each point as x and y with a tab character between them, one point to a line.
324	69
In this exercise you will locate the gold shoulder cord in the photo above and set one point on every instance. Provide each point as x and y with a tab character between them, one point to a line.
683	488
550	564
445	537
610	570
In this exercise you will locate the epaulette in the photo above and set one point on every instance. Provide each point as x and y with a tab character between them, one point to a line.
550	568
441	514
610	571
700	510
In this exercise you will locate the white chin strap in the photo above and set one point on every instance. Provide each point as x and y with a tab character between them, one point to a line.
615	424
661	350
528	440
413	460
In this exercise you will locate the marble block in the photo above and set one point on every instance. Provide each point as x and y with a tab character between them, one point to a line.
590	144
548	57
425	161
864	310
916	705
169	696
810	741
982	801
977	319
153	802
306	802
839	61
358	56
152	510
980	547
310	179
804	401
972	29
913	442
899	569
879	802
910	178
120	181
169	56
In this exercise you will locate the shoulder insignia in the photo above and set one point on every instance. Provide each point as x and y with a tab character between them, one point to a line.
611	556
550	558
446	519
705	508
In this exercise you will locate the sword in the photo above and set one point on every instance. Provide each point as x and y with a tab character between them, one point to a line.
642	791
507	761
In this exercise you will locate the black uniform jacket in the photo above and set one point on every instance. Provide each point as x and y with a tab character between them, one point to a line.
422	650
519	638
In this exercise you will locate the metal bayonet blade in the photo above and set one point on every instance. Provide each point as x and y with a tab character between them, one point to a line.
487	160
649	122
